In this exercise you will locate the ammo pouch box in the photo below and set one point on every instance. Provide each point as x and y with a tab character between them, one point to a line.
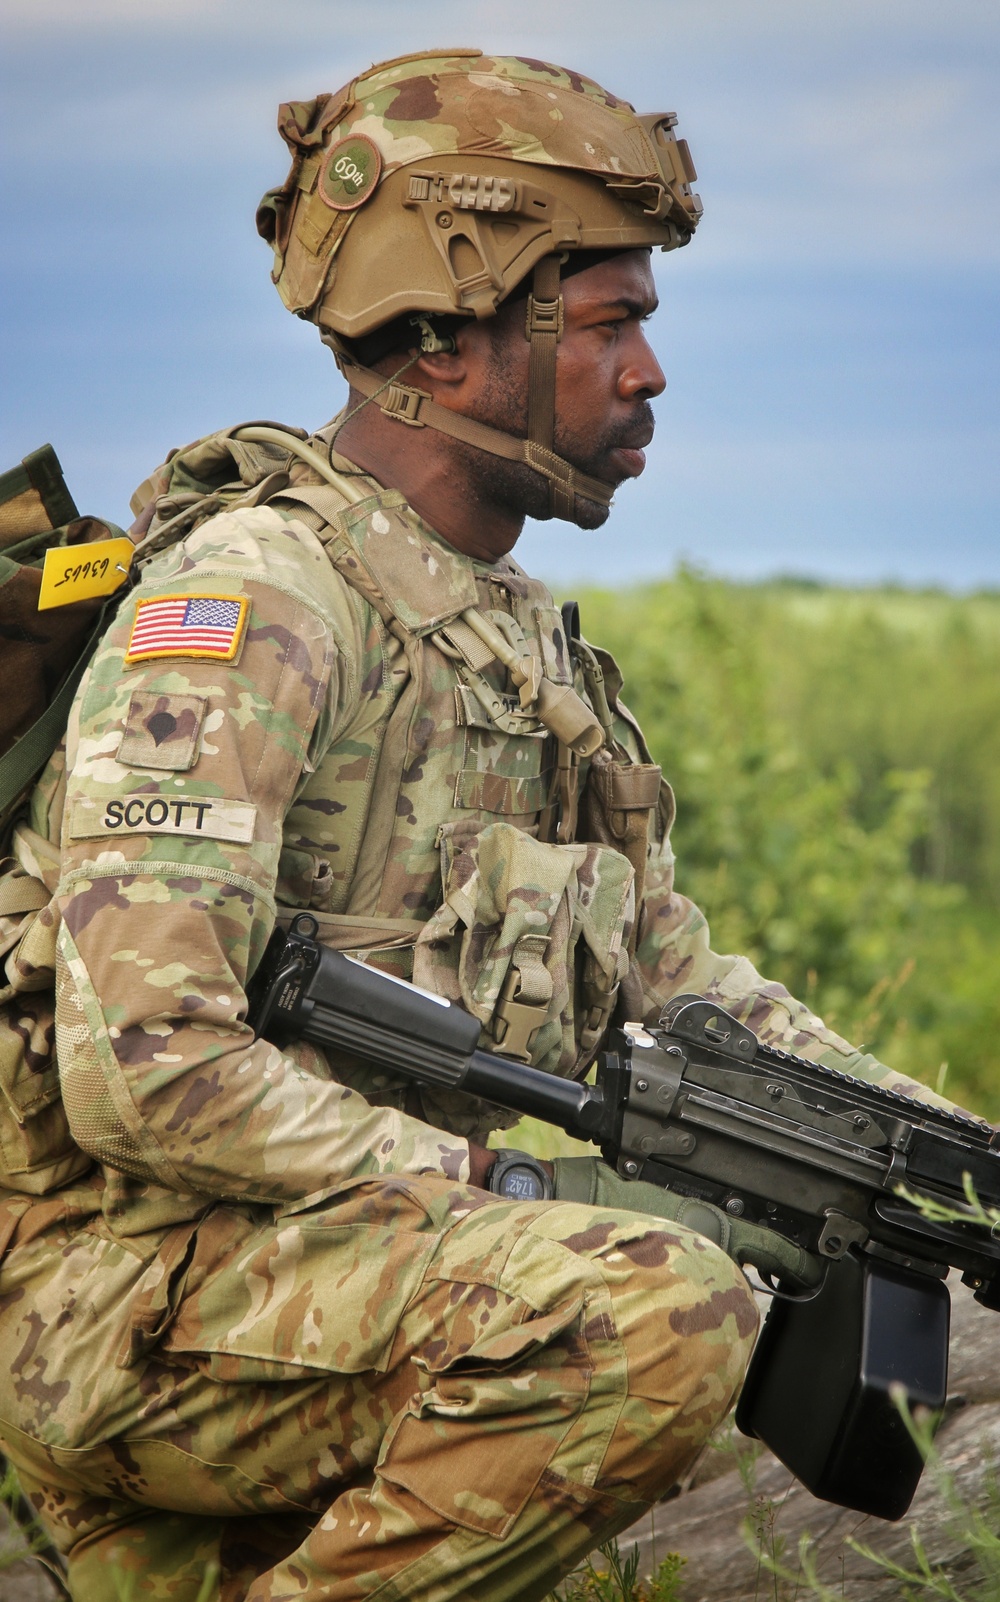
531	939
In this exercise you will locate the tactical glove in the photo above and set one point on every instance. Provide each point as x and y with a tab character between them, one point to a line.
589	1180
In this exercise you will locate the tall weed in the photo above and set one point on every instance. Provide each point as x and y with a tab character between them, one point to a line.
614	1578
23	1536
974	1527
836	758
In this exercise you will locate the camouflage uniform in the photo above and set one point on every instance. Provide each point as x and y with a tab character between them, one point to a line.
265	1323
276	1296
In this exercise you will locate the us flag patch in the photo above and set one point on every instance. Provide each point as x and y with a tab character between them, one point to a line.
188	625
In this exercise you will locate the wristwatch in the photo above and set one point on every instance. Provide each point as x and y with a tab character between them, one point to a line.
519	1177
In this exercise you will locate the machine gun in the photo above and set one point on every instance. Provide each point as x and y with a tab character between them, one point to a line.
700	1106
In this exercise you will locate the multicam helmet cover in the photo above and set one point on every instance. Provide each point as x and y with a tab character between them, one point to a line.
436	183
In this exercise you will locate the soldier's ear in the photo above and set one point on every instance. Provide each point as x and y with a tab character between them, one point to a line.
465	356
473	358
445	367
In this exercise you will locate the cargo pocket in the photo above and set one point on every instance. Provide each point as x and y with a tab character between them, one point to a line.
313	1293
530	939
474	1446
158	1295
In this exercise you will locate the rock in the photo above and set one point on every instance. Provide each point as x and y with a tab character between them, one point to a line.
21	1579
26	1582
973	1370
705	1523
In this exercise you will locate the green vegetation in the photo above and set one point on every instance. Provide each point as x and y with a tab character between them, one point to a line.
973	1527
781	1578
837	764
21	1535
836	758
614	1578
786	1576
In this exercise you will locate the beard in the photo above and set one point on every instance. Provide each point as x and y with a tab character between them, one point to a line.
520	488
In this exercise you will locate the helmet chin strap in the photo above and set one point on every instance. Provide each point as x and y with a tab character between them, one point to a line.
543	327
414	407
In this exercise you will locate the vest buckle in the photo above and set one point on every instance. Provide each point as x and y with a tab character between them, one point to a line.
523	1004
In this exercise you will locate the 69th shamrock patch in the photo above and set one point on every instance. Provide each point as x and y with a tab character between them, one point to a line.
350	172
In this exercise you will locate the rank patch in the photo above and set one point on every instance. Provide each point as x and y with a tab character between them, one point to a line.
162	731
206	626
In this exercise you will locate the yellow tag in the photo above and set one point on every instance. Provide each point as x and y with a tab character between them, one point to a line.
79	572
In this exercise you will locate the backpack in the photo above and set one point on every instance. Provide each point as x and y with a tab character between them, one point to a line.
43	656
43	653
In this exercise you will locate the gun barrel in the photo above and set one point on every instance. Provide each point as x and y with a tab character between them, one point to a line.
575	1108
305	989
579	1109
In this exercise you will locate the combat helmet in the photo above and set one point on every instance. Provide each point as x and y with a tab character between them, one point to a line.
432	186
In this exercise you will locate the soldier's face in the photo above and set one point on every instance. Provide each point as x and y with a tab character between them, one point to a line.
606	376
606	373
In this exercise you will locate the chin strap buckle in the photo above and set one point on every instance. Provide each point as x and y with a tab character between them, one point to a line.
544	316
403	403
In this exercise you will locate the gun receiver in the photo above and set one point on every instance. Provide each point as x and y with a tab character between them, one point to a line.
698	1105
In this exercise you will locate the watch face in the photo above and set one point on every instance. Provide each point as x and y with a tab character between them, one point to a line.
522	1184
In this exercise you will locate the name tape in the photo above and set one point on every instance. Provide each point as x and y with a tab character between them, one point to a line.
209	818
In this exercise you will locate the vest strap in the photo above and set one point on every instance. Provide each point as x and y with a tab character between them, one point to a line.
19	892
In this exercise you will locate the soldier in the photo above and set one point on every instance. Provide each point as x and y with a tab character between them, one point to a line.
277	1328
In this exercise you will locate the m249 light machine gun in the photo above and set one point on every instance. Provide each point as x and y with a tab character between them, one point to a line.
700	1106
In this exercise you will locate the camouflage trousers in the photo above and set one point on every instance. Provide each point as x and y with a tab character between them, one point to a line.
410	1393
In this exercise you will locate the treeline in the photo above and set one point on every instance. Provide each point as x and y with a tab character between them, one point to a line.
836	757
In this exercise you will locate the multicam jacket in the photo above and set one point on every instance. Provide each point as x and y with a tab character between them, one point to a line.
285	715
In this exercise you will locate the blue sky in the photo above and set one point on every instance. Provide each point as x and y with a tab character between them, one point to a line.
830	337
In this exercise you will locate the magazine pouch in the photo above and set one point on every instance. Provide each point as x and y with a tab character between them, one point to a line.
532	939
